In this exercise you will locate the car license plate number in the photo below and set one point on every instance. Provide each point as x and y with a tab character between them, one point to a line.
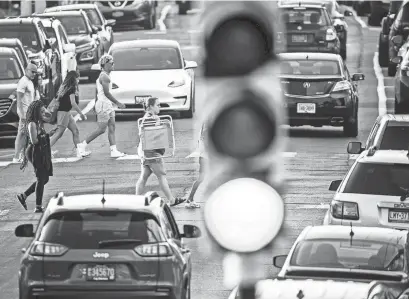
398	216
100	273
117	14
140	100
299	38
306	108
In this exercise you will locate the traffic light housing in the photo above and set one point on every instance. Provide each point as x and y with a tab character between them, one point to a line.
244	114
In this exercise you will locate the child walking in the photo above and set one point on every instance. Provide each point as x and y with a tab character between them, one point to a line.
156	165
38	153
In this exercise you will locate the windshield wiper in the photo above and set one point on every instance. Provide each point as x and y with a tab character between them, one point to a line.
114	243
405	195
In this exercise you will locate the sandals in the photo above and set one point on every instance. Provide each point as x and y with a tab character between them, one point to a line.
192	205
178	201
22	200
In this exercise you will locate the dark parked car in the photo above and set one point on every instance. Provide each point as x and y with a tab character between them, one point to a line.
308	28
130	12
386	23
398	33
401	82
11	70
379	9
15	44
111	246
89	47
319	91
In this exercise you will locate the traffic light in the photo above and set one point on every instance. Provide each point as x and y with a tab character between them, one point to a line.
244	141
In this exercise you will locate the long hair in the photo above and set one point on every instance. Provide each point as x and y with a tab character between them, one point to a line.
149	102
69	83
36	82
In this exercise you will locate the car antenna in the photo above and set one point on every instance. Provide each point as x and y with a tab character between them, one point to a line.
307	57
103	200
351	234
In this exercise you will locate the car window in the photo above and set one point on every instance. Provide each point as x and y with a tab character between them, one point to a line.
50	32
339	253
403	15
143	59
26	33
394	6
93	17
309	67
308	16
9	68
84	230
74	25
167	226
378	179
372	135
172	221
347	74
63	35
395	138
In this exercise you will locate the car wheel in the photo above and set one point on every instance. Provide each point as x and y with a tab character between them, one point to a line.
189	113
383	53
351	127
391	69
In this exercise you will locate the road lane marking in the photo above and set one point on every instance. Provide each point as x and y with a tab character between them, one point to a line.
129	157
163	15
4	212
358	19
67	160
381	87
312	207
4	163
8	155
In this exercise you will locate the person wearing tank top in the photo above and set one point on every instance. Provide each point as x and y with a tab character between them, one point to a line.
104	107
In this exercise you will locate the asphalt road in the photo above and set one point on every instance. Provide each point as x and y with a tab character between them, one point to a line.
315	157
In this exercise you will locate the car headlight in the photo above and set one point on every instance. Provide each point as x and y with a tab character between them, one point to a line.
330	35
86	47
88	55
177	83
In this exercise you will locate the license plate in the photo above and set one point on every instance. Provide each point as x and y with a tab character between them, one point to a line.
117	14
299	38
100	273
305	108
140	100
398	216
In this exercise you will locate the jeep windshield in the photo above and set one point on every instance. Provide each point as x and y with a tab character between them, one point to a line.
26	33
340	254
378	179
101	229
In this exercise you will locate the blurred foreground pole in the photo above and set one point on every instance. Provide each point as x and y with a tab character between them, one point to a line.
244	112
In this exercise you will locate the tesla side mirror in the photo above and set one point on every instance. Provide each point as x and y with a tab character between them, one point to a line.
191	231
69	48
358	77
24	230
397	59
96	67
354	148
334	185
279	261
347	13
190	64
397	40
111	22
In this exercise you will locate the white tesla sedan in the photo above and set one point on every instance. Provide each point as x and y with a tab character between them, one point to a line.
152	68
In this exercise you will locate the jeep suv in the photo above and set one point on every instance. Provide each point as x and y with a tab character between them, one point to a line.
31	32
15	43
106	246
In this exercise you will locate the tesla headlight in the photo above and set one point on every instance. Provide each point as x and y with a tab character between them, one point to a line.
177	83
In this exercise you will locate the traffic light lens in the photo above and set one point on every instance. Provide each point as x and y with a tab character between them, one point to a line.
243	130
256	214
236	47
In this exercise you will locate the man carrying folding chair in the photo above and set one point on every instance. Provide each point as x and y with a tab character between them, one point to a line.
152	160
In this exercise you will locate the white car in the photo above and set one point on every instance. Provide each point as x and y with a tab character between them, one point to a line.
152	68
374	192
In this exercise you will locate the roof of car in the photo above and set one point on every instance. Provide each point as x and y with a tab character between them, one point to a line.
337	232
94	201
19	20
61	13
396	117
49	22
10	41
316	56
70	7
5	50
152	43
385	157
297	5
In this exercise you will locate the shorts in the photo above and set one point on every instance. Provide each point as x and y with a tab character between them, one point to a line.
105	111
22	126
156	166
63	118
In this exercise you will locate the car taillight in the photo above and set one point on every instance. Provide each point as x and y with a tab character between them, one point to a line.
48	249
330	34
405	70
341	86
158	249
344	210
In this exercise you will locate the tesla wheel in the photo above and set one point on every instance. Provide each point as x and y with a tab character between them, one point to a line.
189	113
391	69
351	127
383	53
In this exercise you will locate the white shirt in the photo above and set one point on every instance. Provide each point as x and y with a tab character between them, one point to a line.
25	86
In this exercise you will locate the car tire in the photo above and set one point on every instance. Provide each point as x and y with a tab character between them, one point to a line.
383	53
391	69
189	113
351	127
